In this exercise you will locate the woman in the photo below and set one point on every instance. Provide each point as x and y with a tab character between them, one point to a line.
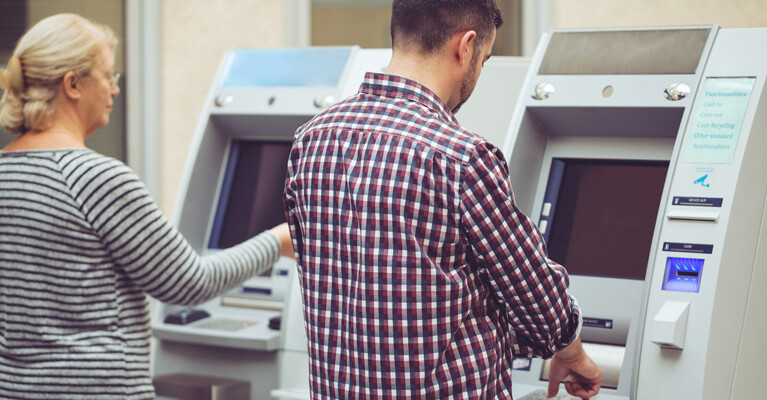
81	242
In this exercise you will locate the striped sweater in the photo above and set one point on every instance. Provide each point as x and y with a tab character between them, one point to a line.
81	246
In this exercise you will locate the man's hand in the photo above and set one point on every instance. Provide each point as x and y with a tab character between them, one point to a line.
585	376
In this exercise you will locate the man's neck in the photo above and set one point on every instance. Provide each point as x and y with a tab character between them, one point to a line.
427	71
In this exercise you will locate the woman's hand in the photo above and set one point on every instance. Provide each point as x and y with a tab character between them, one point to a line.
282	231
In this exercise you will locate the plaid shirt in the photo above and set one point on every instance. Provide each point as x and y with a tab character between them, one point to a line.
420	277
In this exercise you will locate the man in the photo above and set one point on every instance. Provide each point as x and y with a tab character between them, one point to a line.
420	277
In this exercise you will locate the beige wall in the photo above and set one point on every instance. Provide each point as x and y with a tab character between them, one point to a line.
108	13
195	35
368	24
364	25
630	13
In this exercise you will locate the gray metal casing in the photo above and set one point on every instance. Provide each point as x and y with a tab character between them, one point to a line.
721	355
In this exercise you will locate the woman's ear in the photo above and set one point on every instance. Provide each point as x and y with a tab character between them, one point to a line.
71	85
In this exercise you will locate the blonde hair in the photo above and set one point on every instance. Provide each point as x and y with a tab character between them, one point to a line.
51	48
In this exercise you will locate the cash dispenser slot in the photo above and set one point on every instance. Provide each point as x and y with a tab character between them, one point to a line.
609	358
605	342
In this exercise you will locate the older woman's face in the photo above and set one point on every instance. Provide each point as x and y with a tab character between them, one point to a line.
98	93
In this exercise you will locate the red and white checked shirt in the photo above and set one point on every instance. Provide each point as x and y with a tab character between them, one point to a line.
420	277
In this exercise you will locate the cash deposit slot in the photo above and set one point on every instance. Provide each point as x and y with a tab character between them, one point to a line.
591	152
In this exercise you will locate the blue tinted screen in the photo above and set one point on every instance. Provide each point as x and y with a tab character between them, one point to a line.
306	67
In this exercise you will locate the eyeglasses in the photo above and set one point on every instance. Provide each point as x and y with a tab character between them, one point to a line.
114	79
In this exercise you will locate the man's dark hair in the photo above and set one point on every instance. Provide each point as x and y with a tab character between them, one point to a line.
428	24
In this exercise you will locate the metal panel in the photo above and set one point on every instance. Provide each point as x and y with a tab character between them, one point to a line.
625	52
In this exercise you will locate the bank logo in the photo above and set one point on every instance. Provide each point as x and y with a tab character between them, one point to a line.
702	181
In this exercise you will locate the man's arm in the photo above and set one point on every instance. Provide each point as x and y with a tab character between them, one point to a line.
507	246
586	377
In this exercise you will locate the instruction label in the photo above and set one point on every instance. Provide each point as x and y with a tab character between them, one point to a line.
718	119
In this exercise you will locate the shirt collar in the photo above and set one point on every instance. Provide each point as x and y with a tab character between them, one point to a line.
397	87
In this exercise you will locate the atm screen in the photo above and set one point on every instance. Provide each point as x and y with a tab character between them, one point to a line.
603	215
250	200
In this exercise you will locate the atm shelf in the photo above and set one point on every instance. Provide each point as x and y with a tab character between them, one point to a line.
290	394
244	334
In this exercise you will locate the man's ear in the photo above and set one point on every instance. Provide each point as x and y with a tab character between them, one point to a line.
71	85
465	49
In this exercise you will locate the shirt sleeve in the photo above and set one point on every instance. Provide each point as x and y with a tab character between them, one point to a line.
150	250
509	250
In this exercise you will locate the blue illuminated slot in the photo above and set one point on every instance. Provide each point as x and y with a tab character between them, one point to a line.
683	274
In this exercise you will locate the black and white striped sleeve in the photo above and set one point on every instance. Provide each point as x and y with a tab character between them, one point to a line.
149	248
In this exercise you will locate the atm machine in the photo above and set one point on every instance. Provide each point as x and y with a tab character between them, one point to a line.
639	153
232	189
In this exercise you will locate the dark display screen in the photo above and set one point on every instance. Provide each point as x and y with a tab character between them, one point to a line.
605	216
250	201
